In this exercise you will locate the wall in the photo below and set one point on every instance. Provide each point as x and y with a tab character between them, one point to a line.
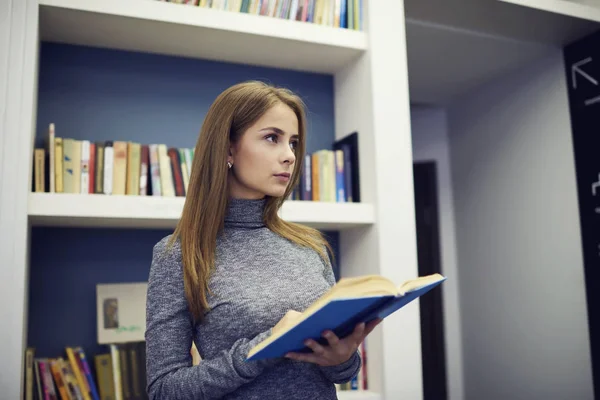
430	143
98	94
523	309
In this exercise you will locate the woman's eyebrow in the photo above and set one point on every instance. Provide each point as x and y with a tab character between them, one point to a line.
278	131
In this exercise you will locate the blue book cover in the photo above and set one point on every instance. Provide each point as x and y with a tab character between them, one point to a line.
348	303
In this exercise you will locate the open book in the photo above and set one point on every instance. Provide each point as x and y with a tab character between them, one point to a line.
348	303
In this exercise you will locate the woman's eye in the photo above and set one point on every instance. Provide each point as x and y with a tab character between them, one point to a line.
294	145
274	137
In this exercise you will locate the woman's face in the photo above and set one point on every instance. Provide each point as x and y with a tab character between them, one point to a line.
264	157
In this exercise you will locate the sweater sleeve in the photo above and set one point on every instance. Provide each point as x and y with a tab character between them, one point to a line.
346	371
169	335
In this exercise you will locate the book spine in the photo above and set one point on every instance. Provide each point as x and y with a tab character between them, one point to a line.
347	173
81	380
87	373
339	176
315	177
59	379
125	372
133	168
29	366
144	168
155	170
68	170
173	154
119	184
184	171
46	379
108	167
104	375
71	381
99	168
114	353
51	161
39	170
85	167
58	164
307	194
92	168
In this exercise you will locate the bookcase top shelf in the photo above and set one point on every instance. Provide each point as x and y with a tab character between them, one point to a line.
182	30
95	210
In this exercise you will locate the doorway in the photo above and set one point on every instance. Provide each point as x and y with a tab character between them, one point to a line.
433	349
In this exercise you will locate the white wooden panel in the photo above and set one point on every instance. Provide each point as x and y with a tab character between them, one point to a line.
19	24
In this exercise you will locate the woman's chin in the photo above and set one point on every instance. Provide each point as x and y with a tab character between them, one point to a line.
276	192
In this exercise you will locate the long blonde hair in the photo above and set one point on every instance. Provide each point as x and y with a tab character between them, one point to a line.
206	202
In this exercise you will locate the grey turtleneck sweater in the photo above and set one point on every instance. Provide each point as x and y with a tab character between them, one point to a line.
258	277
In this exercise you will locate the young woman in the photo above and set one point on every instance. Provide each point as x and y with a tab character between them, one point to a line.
233	269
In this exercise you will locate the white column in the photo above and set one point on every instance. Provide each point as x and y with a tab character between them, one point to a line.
372	97
18	71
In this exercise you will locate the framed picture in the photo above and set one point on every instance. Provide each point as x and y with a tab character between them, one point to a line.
121	312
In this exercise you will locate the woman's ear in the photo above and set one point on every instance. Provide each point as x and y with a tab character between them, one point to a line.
230	157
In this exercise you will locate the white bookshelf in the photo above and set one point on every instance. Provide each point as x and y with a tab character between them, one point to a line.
96	210
358	395
580	9
163	28
370	97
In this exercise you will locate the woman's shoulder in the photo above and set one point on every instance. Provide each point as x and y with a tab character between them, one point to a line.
167	251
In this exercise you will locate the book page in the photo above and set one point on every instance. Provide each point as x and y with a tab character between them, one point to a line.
417	283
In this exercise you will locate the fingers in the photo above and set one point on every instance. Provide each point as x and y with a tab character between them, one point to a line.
315	347
332	338
308	357
371	325
358	334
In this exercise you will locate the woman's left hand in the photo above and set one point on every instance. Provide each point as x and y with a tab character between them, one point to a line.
339	350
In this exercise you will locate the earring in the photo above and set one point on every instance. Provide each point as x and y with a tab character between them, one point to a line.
229	164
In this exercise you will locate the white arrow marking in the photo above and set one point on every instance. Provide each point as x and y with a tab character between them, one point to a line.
595	185
575	69
591	101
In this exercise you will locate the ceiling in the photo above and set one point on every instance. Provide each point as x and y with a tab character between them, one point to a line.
455	46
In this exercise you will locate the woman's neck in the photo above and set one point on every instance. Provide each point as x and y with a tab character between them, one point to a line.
245	213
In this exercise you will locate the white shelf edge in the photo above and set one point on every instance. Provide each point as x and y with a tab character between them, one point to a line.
562	7
96	210
358	395
222	35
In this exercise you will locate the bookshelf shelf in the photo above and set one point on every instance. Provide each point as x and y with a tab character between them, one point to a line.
358	395
566	8
174	29
83	210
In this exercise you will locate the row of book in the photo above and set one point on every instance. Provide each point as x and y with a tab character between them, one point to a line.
331	175
67	165
337	13
326	176
117	374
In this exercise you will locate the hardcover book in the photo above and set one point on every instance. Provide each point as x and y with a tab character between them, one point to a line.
348	303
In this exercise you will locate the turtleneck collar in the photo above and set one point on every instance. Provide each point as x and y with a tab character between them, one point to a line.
244	213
